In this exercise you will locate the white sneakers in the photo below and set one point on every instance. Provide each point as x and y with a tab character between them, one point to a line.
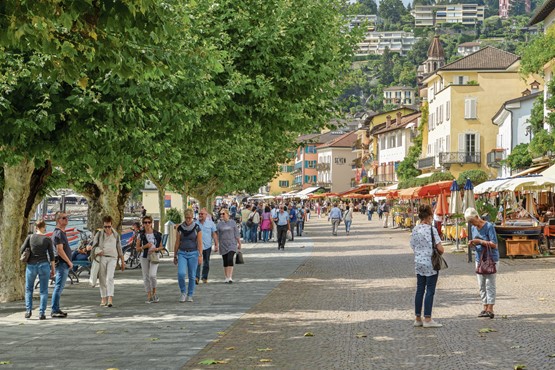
426	324
189	299
431	324
183	297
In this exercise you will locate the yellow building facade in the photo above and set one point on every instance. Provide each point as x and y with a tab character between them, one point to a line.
462	98
283	182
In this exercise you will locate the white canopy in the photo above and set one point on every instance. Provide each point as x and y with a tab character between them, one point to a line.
307	191
528	183
489	186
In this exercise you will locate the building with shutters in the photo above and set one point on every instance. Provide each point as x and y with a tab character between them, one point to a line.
462	97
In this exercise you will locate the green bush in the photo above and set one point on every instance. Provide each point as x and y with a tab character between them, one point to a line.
476	176
174	216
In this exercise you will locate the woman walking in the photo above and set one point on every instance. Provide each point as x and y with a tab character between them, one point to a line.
424	238
484	240
348	218
187	255
107	246
230	243
149	243
41	252
266	223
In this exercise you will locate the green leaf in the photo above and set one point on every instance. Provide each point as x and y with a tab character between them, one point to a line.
308	334
212	362
5	362
487	330
263	349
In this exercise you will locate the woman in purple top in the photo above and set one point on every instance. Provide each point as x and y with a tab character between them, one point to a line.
266	223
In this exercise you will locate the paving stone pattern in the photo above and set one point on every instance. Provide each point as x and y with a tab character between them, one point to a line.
353	294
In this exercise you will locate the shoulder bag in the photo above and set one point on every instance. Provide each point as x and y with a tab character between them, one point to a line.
26	251
239	258
438	262
486	266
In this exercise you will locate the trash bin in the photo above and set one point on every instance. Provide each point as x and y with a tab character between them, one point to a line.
169	230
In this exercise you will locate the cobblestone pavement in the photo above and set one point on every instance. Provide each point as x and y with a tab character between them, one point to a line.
350	306
353	294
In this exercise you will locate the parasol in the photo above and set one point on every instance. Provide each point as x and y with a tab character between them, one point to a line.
455	206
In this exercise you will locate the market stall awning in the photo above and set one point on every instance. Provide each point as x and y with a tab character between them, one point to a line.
549	172
528	183
489	186
409	193
529	171
390	191
360	189
432	190
309	190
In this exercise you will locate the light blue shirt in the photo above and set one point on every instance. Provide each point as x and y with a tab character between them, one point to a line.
335	213
282	217
207	228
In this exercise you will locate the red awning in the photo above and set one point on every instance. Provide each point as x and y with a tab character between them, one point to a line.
361	189
433	190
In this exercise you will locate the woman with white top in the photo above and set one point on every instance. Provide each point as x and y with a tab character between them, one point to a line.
424	237
107	246
149	243
348	218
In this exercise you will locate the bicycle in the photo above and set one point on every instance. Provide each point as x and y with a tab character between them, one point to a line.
131	256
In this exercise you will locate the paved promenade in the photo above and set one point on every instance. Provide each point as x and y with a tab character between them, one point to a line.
327	302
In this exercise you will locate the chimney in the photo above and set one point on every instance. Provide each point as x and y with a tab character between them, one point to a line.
398	118
526	92
388	121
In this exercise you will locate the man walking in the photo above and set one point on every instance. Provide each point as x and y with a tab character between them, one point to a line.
245	213
209	236
282	222
335	216
273	214
385	214
63	251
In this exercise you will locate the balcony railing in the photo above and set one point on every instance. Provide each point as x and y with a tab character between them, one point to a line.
323	166
495	157
389	177
459	158
425	163
324	184
357	163
357	145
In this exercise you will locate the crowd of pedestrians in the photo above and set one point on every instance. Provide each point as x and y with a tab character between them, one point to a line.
223	232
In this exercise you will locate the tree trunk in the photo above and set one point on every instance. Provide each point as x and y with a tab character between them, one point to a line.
22	184
162	205
105	200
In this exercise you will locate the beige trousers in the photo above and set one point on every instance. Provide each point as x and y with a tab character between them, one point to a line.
106	272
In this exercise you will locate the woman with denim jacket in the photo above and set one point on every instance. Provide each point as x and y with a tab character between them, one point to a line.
41	264
149	242
483	235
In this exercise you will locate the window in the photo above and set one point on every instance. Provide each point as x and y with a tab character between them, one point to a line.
448	110
310	149
313	178
469	143
392	141
448	143
382	144
470	108
399	139
309	164
286	168
284	183
306	178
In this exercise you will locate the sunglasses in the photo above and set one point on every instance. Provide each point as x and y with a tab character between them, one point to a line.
107	227
63	218
147	222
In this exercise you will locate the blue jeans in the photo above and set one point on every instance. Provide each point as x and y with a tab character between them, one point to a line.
265	234
205	264
43	271
300	228
370	215
246	232
187	263
348	225
254	233
62	270
427	284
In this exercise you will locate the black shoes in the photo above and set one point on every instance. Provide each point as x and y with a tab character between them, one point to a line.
486	314
42	316
28	314
59	315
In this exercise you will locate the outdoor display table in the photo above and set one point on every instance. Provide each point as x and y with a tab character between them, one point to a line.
520	245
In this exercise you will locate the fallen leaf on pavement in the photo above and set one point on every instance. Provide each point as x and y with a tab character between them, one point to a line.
101	332
263	349
487	330
154	339
265	360
113	368
5	362
308	334
515	347
519	367
552	355
212	362
221	333
230	348
361	335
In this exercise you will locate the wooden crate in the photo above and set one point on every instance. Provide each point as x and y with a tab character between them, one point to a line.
522	247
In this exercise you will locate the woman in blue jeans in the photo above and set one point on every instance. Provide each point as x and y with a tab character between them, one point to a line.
187	255
423	237
41	264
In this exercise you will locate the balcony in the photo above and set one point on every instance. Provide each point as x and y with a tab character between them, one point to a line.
357	163
461	158
425	163
384	178
323	166
357	145
494	158
323	184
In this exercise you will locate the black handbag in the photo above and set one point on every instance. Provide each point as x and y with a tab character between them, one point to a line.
239	258
486	266
438	262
